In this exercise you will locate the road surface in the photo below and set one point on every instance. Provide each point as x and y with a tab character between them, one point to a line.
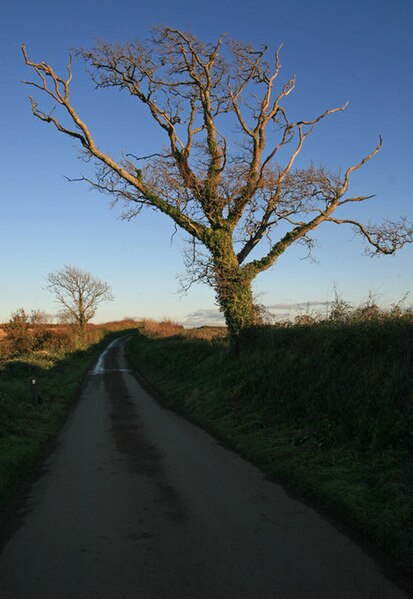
137	503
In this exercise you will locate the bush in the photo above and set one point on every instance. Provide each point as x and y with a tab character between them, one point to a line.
18	335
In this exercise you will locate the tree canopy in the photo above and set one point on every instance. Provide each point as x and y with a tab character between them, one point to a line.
78	293
227	175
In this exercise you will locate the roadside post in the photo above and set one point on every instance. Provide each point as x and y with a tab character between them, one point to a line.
35	398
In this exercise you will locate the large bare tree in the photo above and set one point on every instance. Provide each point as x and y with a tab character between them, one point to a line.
235	192
78	293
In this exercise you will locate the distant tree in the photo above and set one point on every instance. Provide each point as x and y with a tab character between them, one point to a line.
237	195
78	293
40	318
340	310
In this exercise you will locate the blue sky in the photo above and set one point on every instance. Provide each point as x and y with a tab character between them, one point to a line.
356	51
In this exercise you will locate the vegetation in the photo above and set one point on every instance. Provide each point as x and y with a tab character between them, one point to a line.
19	336
78	294
59	365
238	197
326	407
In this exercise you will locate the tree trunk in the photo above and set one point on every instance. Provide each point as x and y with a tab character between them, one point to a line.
233	288
234	296
81	320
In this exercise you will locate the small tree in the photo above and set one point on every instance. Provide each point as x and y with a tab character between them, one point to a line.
39	318
238	196
78	293
18	334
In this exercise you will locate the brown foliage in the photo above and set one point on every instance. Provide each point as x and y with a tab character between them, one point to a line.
166	328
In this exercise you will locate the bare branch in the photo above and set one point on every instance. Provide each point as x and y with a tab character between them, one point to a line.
88	143
386	238
138	158
359	165
356	199
47	118
321	116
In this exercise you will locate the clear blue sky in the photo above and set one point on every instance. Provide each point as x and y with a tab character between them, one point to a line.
360	51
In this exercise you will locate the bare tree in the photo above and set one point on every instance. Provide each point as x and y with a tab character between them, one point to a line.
238	196
78	293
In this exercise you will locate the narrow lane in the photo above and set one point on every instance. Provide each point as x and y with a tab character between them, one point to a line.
137	503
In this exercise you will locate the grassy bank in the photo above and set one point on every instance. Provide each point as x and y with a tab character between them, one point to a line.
25	429
326	408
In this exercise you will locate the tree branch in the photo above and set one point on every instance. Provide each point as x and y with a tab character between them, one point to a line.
386	238
43	70
350	170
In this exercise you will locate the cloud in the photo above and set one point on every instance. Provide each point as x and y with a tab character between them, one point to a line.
206	316
282	310
297	306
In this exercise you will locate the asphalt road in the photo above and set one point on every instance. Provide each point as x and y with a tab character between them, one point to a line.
137	503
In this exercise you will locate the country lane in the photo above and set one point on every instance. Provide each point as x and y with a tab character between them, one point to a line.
137	503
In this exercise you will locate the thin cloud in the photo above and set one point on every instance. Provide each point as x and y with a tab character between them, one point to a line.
297	306
207	316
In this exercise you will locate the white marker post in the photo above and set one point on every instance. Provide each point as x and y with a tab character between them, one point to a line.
35	399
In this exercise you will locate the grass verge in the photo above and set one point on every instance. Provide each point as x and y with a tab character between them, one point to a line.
327	409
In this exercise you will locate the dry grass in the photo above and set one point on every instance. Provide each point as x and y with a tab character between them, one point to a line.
165	328
207	333
119	325
169	328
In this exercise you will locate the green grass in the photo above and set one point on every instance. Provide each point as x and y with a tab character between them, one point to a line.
25	429
326	408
